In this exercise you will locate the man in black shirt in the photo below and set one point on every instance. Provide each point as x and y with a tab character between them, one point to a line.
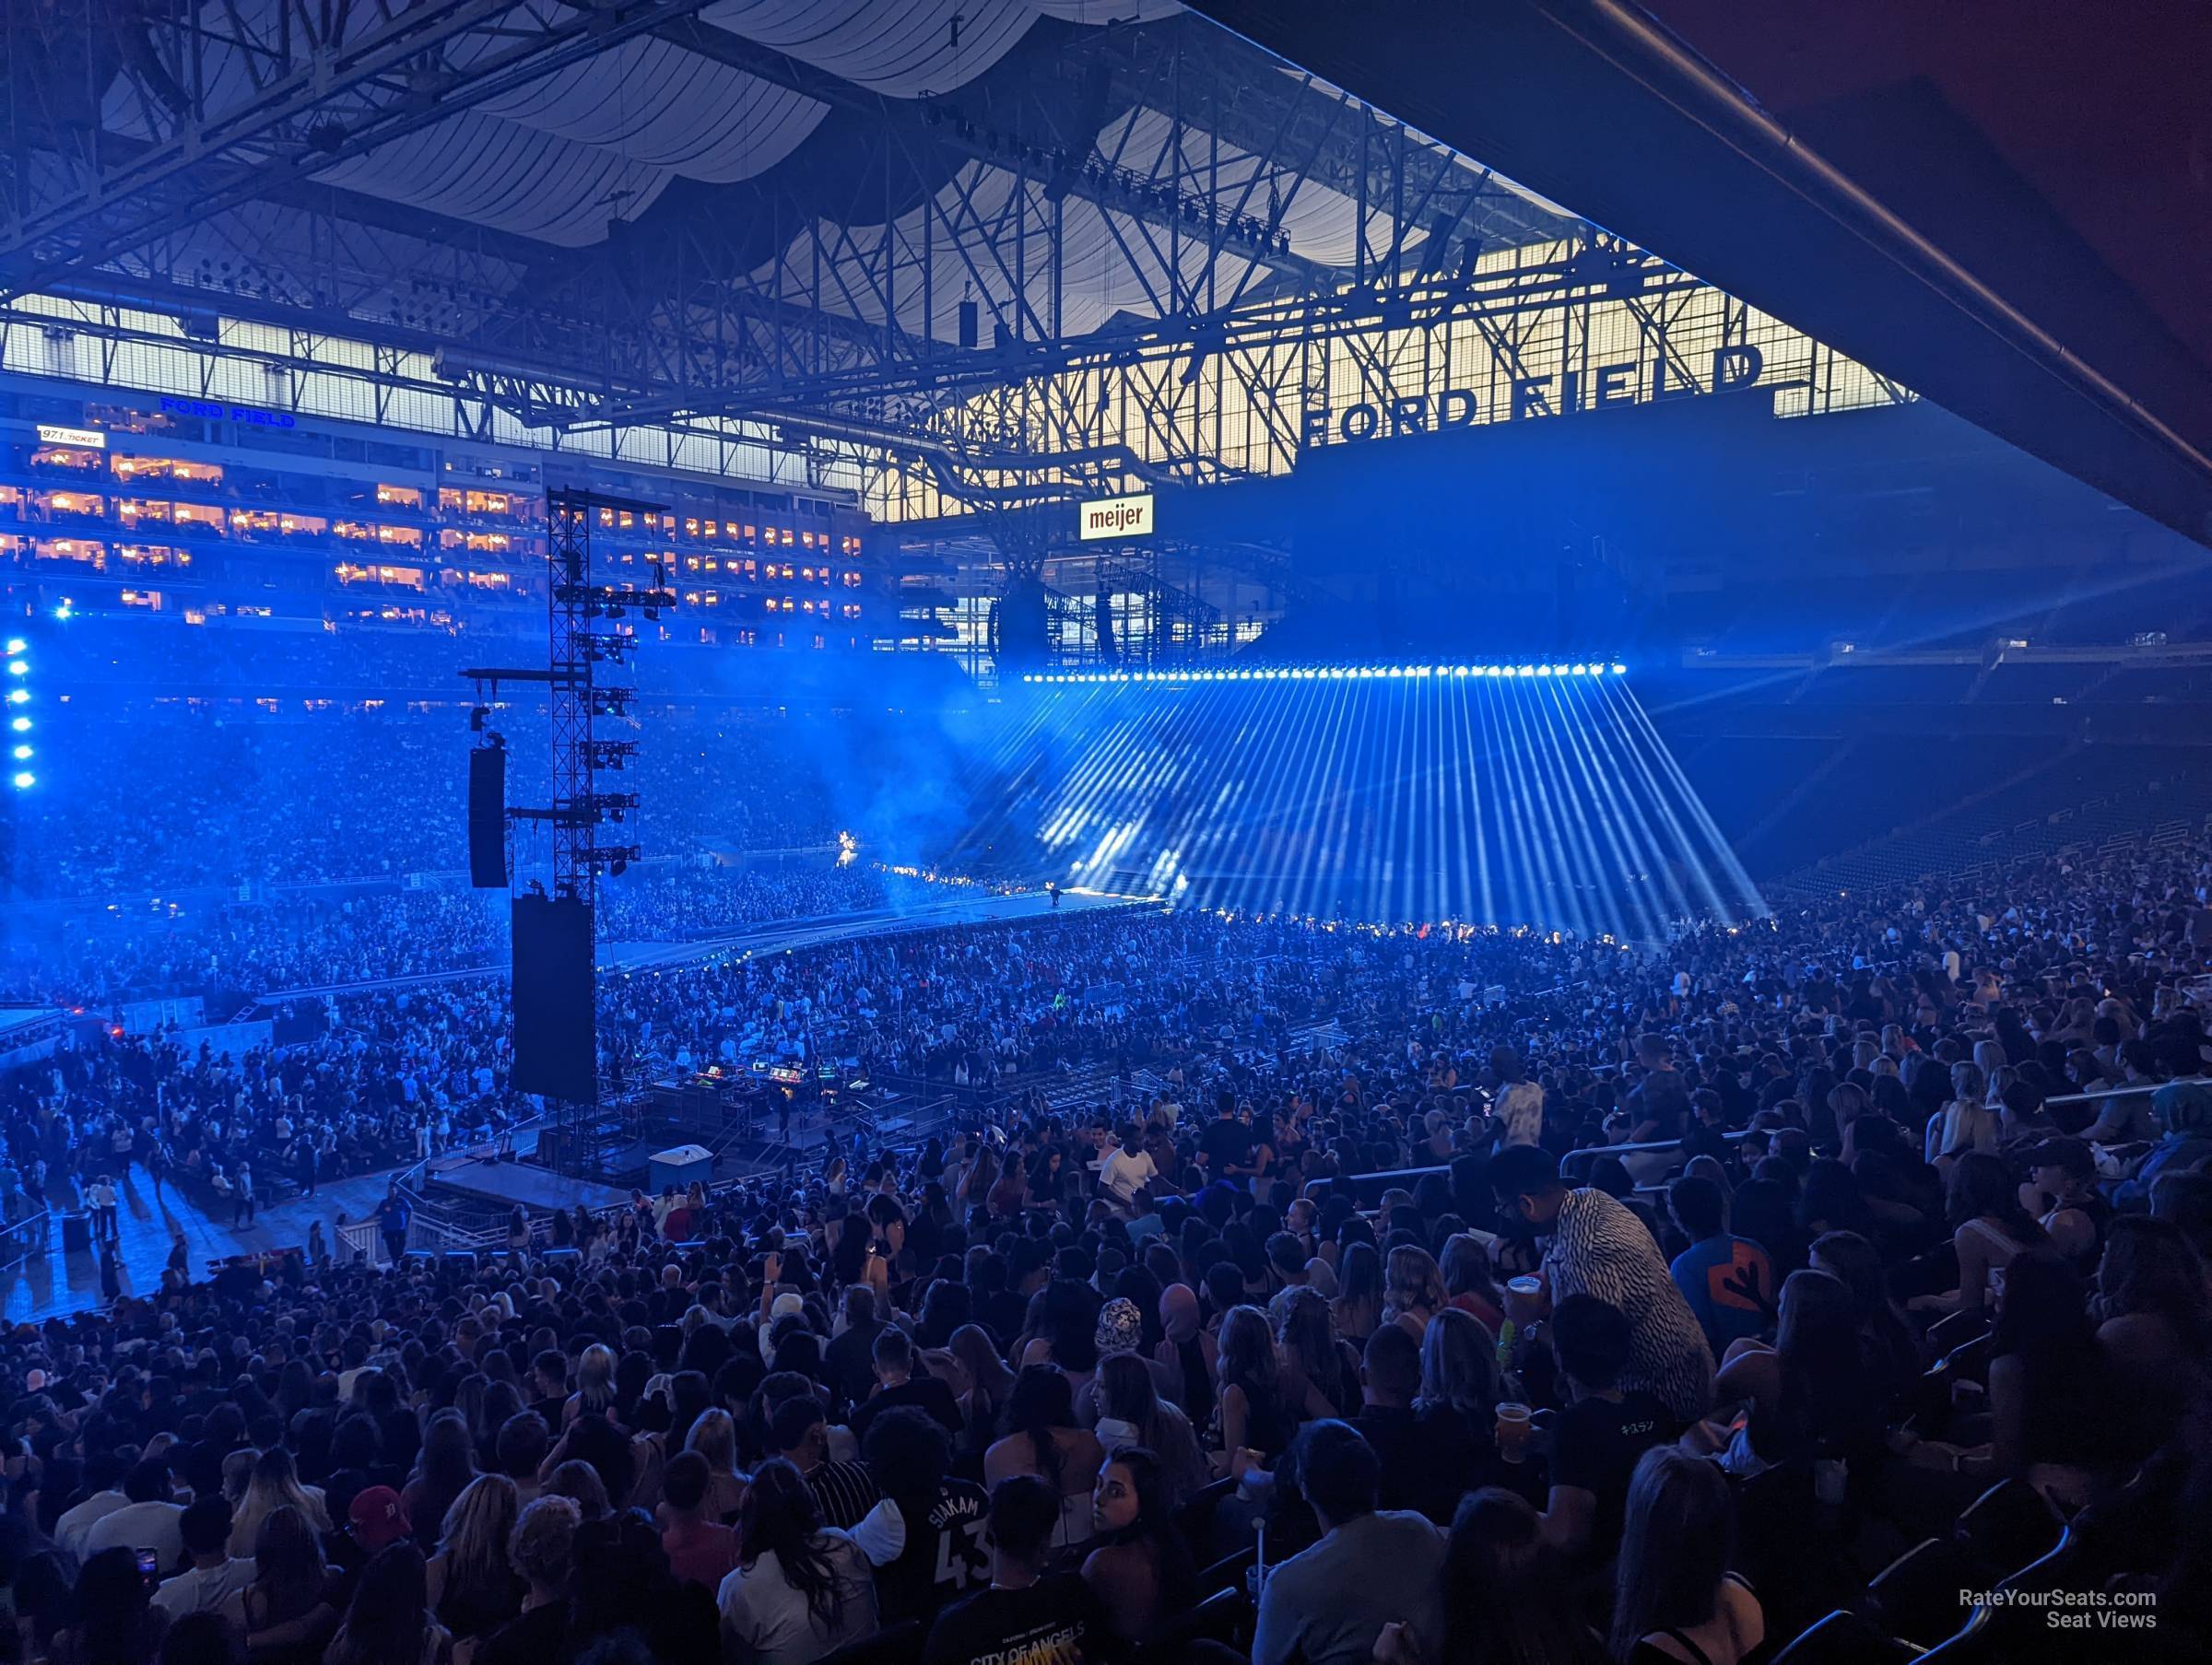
894	1360
1600	1436
1025	1615
845	1360
1410	1469
542	1550
1227	1144
944	1558
549	1383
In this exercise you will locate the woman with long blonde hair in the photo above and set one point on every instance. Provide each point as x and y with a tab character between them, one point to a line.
274	1485
1966	1123
714	1438
595	1384
472	1587
1412	1290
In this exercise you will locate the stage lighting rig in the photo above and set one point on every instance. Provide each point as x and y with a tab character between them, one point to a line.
1569	669
585	644
21	748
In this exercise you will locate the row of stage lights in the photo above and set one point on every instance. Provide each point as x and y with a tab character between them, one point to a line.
19	721
1330	673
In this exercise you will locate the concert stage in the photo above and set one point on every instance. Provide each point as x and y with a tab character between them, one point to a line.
504	1184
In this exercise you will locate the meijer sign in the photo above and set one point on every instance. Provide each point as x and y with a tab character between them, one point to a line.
1115	518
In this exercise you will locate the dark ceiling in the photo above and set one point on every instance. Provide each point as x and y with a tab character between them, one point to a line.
2105	115
2006	204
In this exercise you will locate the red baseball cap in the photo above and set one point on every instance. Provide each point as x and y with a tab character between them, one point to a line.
377	1517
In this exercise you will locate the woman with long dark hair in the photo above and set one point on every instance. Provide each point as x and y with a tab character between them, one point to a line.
1989	1227
1131	1412
802	1589
112	1625
443	1473
1251	1413
1507	1598
1810	1391
2154	1320
1675	1600
1886	1344
1041	1439
1358	1303
988	1384
2044	1368
1142	1569
389	1622
283	1614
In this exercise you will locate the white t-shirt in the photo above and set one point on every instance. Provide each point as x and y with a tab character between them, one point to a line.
203	1589
70	1530
771	1620
1124	1173
154	1526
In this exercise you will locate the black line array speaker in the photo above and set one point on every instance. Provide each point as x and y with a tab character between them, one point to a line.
556	1031
488	817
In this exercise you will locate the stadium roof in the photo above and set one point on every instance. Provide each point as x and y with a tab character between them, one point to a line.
449	168
1997	206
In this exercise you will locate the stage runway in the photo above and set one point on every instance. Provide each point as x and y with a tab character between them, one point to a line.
504	1184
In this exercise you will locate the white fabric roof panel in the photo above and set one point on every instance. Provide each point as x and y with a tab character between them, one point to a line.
661	105
507	177
905	48
1103	273
558	157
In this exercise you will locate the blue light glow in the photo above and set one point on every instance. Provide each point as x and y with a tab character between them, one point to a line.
25	778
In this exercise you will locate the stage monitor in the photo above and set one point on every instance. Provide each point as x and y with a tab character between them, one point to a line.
556	1035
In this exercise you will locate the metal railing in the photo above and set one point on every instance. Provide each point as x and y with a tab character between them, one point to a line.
2095	1101
20	1240
1574	1169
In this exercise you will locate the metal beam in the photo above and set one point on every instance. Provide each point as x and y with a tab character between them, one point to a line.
388	82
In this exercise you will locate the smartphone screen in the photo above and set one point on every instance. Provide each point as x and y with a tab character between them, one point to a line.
149	1564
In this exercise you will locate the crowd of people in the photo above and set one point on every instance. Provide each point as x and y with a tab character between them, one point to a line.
325	939
192	794
1923	1215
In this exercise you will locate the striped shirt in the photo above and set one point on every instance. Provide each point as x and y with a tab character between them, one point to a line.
1600	1248
845	1491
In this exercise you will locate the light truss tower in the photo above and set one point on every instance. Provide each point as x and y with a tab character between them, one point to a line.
590	645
